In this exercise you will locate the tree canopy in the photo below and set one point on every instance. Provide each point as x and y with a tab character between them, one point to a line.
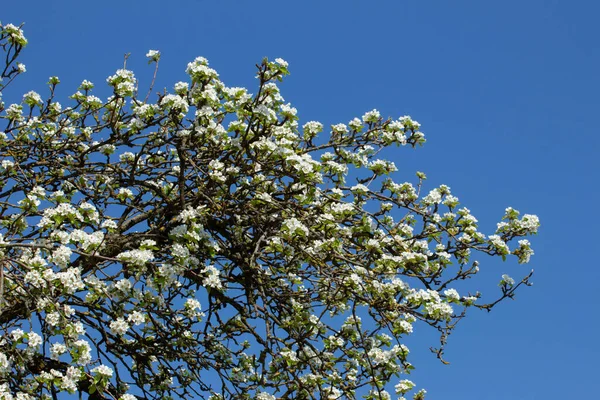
205	243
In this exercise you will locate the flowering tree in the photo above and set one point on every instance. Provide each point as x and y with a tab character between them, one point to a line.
207	245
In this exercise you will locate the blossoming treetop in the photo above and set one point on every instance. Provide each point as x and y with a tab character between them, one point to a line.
208	245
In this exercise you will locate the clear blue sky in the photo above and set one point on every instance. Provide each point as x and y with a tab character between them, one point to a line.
508	96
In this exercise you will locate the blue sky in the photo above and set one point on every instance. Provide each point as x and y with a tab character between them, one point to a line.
506	92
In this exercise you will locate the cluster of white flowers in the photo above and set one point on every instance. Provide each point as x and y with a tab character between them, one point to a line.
332	393
379	356
434	197
381	167
32	98
181	88
123	82
89	212
212	279
199	70
379	394
66	382
405	326
153	55
530	223
287	110
216	171
87	241
439	311
124	194
312	129
82	354
127	156
262	110
123	285
136	318
15	34
452	295
7	164
14	112
61	256
70	280
294	227
404	386
8	394
192	305
289	355
527	225
62	212
56	350
359	189
190	214
339	129
507	280
281	62
136	257
119	326
432	303
498	244
70	379
103	370
265	396
371	116
17	334
4	364
34	340
524	251
53	318
302	163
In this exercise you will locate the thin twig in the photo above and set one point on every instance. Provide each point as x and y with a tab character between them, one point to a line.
152	84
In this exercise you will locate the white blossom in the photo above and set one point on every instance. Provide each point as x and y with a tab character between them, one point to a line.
136	257
371	116
294	226
153	55
136	318
507	280
119	326
34	340
56	350
281	62
4	364
103	370
212	279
